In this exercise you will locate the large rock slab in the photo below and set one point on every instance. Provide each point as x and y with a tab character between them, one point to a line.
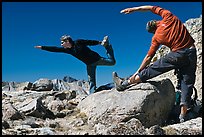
149	102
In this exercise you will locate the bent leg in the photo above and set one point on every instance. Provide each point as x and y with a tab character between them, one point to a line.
171	61
110	61
109	52
160	66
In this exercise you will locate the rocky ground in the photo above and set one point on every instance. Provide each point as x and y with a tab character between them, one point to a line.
63	107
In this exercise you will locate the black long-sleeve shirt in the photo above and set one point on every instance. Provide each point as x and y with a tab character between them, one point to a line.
79	50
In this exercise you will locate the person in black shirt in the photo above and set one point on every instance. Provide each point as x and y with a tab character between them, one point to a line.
79	49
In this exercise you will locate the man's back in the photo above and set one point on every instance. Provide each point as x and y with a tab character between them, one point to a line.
171	31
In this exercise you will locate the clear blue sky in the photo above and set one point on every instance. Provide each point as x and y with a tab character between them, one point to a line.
26	24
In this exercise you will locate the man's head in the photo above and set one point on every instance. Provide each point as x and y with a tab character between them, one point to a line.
66	41
151	26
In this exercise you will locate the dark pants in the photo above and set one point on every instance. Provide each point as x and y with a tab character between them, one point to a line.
91	69
185	61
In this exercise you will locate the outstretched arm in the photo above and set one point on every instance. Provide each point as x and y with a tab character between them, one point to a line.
146	61
52	48
139	8
87	42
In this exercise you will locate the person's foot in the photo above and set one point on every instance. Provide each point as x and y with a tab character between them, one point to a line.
105	41
118	82
182	118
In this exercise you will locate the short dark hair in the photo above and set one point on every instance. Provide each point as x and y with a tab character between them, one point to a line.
151	26
67	38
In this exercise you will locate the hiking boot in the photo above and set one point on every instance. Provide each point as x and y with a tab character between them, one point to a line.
105	41
119	82
182	118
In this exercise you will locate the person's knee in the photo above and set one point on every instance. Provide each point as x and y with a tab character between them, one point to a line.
185	104
114	62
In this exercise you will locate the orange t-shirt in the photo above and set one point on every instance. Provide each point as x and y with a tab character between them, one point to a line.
170	32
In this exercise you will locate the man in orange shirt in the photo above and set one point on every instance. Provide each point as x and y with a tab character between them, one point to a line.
171	32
